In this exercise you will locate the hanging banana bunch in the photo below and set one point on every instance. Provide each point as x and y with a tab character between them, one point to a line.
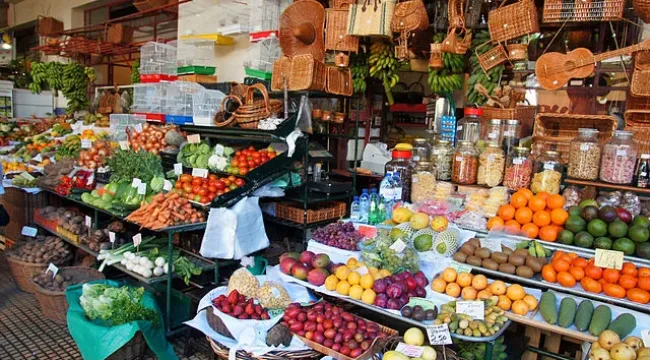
75	86
360	70
383	66
38	77
450	77
489	81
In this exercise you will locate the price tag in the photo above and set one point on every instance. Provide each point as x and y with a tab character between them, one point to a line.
621	152
460	267
474	309
29	231
492	135
27	176
491	243
367	231
398	246
416	158
167	185
111	237
509	133
218	150
439	334
136	182
90	179
194	138
610	259
178	169
138	127
459	158
89	221
584	147
86	144
409	350
459	127
53	268
137	239
517	161
202	173
38	158
645	335
549	166
142	188
124	145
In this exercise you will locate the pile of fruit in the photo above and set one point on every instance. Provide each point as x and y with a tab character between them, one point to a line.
381	253
568	269
606	228
418	313
95	156
332	327
413	337
194	155
475	287
246	160
346	280
394	292
155	139
339	234
69	149
584	317
14	166
536	216
306	266
462	324
98	119
240	307
203	190
610	346
525	261
476	351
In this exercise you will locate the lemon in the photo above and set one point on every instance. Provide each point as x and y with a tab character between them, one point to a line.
331	282
343	288
368	296
354	278
352	261
356	291
366	281
342	272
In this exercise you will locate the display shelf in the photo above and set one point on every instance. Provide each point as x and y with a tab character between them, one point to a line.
296	225
77	200
316	197
605	185
583	336
66	239
252	135
200	262
409	125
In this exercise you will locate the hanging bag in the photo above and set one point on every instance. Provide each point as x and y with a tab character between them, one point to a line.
371	18
512	21
410	16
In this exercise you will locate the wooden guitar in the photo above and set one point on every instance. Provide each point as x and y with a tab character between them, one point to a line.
554	70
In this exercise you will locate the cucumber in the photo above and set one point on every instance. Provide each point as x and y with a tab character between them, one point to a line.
600	320
548	307
583	315
568	308
623	325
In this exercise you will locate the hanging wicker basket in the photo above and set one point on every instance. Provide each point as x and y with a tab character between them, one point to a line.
226	116
512	21
435	57
458	41
341	59
642	9
517	52
492	57
249	114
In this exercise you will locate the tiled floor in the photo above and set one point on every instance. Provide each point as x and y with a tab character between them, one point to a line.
24	334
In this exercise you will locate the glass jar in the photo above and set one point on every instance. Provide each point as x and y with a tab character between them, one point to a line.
420	149
493	131
401	167
465	166
548	173
423	183
519	168
490	165
442	158
469	127
584	155
619	158
510	135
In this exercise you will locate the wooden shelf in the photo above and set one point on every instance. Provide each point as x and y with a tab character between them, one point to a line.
409	125
604	185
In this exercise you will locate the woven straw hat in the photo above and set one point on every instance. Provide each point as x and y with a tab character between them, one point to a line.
302	27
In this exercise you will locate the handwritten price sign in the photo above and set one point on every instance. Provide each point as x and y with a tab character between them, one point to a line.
439	334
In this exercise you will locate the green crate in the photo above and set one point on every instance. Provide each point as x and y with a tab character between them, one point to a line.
198	70
258	74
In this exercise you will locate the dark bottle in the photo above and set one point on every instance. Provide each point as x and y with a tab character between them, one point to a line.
643	171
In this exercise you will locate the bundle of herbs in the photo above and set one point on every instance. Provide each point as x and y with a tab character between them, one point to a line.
128	164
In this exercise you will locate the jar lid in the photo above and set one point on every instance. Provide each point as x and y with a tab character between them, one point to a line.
423	163
551	153
401	154
588	131
420	140
493	144
473	111
521	149
494	122
444	142
512	122
623	133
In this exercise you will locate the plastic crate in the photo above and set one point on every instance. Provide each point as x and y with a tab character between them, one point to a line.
119	123
258	74
196	53
206	103
195	69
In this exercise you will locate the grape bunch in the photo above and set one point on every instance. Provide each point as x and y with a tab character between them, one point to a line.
378	253
340	235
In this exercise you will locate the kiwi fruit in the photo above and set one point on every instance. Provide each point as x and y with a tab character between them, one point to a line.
460	257
534	264
516	260
467	249
490	264
483	253
473	260
475	242
499	257
524	271
507	268
506	250
542	260
522	252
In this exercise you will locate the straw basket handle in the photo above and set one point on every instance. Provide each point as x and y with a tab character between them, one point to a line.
249	98
224	102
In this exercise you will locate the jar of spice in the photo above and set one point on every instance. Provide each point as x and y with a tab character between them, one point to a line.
469	127
465	165
401	167
548	173
423	183
494	132
519	168
442	158
490	165
619	158
584	155
420	149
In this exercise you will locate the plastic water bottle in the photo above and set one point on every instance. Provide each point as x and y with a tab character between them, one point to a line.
364	205
374	207
355	210
398	187
387	192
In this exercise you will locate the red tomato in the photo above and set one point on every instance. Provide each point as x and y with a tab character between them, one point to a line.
189	196
197	181
204	199
187	187
271	155
243	171
234	163
186	178
212	188
213	177
239	182
211	195
219	192
226	190
257	161
196	189
251	148
257	155
219	185
178	185
203	191
227	182
251	164
238	152
205	182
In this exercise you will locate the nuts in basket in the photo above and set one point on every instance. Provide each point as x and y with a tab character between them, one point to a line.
273	296
244	282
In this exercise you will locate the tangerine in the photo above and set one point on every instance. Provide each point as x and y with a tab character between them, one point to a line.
611	275
577	272
638	295
566	279
531	230
524	215
506	212
464	279
555	201
559	216
515	292
531	301
495	222
504	302
627	281
614	290
518	200
629	269
579	262
544	195
549	274
512	225
557	254
644	283
591	285
520	307
453	290
438	285
548	233
561	265
469	293
498	287
643	271
594	272
449	275
479	282
537	203
484	294
542	218
527	193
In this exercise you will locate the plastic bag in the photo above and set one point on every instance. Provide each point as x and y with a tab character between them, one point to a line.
304	115
631	203
390	250
612	199
572	195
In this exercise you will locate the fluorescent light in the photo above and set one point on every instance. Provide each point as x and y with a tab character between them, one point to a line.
6	46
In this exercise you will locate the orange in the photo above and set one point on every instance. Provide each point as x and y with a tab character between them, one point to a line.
594	272
527	193
504	302
544	195
557	254
452	289
531	230
537	203
449	275
498	287
627	281
518	200
561	265
479	282
614	290
548	233
611	275
520	307
438	285
577	272
629	269
572	256
559	216
524	215
469	293
464	279
484	294
515	292
542	218
495	222
555	201
591	285
565	279
531	301
638	295
506	212
643	271
512	225
644	282
549	274
579	262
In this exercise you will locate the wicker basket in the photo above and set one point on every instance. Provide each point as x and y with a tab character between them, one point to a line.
525	115
638	118
517	52
134	349
443	352
642	9
458	41
642	60
336	37
23	272
53	303
640	81
435	57
307	73
555	131
49	26
376	346
512	21
492	57
222	352
281	70
641	137
316	213
224	117
556	11
339	81
249	114
409	15
217	324
119	34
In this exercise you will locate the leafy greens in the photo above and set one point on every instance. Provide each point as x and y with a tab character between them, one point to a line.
115	305
129	164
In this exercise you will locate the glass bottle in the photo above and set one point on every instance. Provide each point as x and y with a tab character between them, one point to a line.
465	165
442	158
619	158
584	155
469	127
490	165
401	167
420	149
519	168
423	182
548	173
511	134
643	171
494	131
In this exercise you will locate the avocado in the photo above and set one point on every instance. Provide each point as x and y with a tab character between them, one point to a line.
583	239
575	224
617	229
602	243
597	227
641	220
625	245
607	213
548	308
589	213
639	233
643	250
583	315
565	237
567	314
574	211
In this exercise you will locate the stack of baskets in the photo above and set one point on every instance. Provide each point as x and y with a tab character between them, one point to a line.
23	272
242	106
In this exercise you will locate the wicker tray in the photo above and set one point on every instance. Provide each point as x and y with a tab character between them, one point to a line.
222	353
53	303
23	272
579	10
134	349
320	212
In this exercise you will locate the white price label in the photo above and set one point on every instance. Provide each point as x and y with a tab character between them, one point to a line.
610	259
178	169
460	267
38	158
509	133
90	179
167	185
142	188
202	173
459	127
621	152
409	350
398	246
549	166
86	144
111	237
137	239
439	334
517	161
491	243
29	231
136	182
645	335
459	158
89	221
124	145
492	135
473	309
584	147
218	150
416	158
53	268
138	127
27	176
194	138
